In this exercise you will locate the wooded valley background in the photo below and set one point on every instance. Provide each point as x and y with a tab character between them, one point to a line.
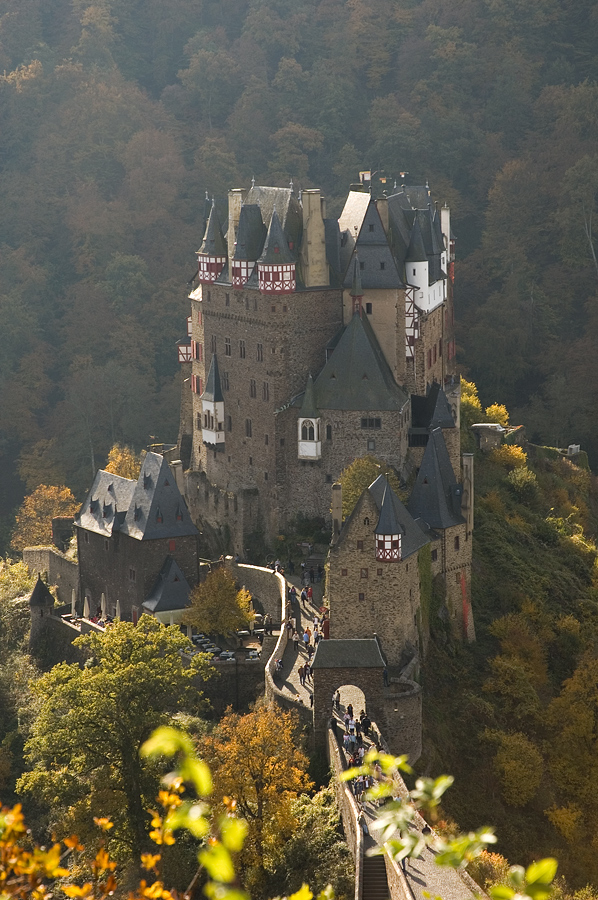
117	117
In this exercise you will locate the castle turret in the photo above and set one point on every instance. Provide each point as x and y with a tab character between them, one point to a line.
41	604
213	251
356	291
388	530
276	266
212	405
309	443
251	233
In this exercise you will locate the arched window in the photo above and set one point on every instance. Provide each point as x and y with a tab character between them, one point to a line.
307	431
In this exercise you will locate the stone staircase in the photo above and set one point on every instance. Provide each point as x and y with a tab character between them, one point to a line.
375	883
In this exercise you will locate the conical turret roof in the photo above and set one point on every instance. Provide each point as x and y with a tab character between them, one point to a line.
309	410
213	241
417	249
40	595
213	389
436	496
388	522
276	250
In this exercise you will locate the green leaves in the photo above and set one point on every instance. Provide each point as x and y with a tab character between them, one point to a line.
534	882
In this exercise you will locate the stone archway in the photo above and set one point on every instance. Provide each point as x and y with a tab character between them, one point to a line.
347	662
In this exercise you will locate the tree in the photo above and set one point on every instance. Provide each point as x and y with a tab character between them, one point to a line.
85	741
34	518
256	761
217	607
123	461
358	476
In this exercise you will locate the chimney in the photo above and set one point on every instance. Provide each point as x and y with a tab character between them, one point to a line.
382	207
313	244
337	509
468	496
236	198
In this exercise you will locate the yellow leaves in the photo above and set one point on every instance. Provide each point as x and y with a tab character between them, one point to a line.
217	606
73	890
511	457
72	843
155	891
497	412
102	863
104	824
124	462
150	860
168	799
34	518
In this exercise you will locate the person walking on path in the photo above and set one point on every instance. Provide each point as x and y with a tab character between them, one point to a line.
306	639
295	641
301	673
310	594
312	575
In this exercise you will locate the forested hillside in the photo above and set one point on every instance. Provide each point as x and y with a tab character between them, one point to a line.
117	117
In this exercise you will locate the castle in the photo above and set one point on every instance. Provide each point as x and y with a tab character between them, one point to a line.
311	342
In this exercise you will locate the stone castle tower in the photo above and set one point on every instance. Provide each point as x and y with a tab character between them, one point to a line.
312	341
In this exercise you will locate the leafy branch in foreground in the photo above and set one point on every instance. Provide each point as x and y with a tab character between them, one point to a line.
401	838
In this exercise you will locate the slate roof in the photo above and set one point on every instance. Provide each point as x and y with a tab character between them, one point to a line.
431	411
40	595
276	249
357	375
362	653
151	507
377	265
309	409
436	496
287	208
170	591
388	522
213	242
413	538
213	389
251	233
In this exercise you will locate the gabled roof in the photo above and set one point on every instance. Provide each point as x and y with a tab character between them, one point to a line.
354	210
102	509
357	375
170	591
157	509
309	409
213	242
251	233
276	249
363	653
377	265
431	411
213	389
40	595
413	538
436	496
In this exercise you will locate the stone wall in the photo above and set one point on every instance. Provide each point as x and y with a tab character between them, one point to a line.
348	810
266	586
59	571
51	640
427	369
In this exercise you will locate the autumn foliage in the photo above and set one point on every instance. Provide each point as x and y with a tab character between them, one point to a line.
34	518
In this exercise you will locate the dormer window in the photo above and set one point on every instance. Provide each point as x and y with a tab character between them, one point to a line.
147	481
159	517
137	513
388	547
307	431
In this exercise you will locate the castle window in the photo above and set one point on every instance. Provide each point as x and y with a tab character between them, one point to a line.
371	445
265	391
307	431
227	299
368	309
329	479
260	352
457	543
429	359
371	227
266	440
224	381
242	349
458	578
362	596
360	545
213	343
374	423
440	347
343	571
159	516
229	423
434	555
86	537
251	460
434	352
282	442
382	265
209	296
329	432
414	271
179	514
364	573
247	427
199	317
132	575
379	571
227	349
273	309
284	309
366	521
255	303
252	388
171	546
265	476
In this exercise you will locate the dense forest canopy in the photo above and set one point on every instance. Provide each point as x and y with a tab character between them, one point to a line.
119	116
